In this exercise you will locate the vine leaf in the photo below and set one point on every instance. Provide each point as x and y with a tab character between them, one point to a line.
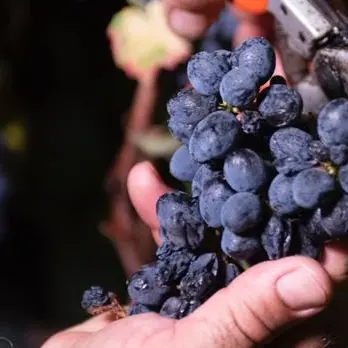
141	40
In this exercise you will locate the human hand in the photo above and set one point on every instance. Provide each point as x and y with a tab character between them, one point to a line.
258	306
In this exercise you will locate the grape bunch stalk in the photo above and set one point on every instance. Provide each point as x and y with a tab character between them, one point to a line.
267	181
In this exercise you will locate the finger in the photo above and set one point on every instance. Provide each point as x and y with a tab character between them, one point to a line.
335	260
189	25
191	18
260	303
145	330
69	337
65	339
94	324
279	69
145	187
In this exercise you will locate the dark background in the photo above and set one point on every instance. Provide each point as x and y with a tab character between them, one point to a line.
61	84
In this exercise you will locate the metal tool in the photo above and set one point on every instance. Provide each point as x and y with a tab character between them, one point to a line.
314	31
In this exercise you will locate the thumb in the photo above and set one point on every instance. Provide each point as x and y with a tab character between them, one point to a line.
259	304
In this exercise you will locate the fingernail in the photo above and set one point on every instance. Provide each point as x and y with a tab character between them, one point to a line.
176	19
187	24
300	290
151	168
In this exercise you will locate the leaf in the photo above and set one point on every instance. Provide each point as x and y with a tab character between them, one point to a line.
141	40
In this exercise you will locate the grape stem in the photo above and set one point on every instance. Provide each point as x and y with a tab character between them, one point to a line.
229	108
329	168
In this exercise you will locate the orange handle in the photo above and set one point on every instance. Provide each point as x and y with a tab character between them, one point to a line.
251	6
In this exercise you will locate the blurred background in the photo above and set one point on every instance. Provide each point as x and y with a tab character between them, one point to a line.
72	124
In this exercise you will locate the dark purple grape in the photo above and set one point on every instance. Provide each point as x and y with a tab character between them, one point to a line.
201	278
280	105
333	123
214	137
206	70
277	237
238	247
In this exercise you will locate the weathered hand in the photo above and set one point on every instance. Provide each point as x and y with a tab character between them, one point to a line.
256	308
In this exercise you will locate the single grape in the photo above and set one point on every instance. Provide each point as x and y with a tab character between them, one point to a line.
277	237
178	307
303	245
205	173
290	148
180	221
332	123
245	171
232	271
241	212
201	278
280	105
239	87
315	229
214	136
163	273
181	131
339	154
240	247
312	187
173	262
146	288
182	166
188	106
212	199
257	55
290	142
206	70
335	224
171	308
280	195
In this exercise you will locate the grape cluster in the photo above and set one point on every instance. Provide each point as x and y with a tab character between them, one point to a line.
266	181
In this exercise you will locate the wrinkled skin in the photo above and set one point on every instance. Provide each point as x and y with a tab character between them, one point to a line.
221	322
